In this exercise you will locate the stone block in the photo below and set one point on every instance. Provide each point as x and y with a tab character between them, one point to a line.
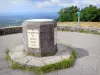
40	36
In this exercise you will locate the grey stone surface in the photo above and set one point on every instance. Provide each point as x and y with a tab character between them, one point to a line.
46	36
23	60
18	56
98	30
10	41
35	62
87	49
77	28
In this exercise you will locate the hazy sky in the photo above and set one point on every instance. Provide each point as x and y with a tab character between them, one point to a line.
42	5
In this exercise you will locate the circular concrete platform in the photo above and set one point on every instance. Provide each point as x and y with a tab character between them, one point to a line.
18	55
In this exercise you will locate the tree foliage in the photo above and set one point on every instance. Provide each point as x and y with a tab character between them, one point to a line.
68	14
90	13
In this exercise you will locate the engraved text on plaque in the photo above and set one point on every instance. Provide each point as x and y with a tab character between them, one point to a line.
33	38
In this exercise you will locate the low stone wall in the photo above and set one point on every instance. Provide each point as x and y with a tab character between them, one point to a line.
10	30
78	28
18	29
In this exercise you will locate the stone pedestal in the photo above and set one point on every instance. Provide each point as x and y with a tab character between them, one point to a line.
40	36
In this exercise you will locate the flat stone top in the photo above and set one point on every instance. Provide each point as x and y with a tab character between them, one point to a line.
40	20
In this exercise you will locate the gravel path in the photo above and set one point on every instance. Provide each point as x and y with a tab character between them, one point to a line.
86	46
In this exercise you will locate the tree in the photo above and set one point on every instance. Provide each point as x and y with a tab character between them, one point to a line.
89	13
68	14
97	18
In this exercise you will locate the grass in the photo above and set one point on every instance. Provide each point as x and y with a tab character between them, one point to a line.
66	63
83	24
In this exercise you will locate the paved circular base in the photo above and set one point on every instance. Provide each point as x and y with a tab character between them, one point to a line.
17	55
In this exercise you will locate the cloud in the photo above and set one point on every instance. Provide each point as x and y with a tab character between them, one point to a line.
55	1
47	3
69	3
61	3
44	5
88	2
66	3
16	5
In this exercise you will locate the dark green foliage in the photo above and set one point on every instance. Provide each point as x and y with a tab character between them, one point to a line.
68	14
88	14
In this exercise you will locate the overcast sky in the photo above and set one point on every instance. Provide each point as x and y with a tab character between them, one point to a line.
42	5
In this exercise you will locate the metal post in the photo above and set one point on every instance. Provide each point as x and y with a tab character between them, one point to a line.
78	20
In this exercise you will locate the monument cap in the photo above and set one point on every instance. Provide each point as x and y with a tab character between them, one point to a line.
40	20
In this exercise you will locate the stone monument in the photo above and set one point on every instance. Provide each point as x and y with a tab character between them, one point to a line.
40	37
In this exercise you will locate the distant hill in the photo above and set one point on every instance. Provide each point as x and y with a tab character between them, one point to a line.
9	19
